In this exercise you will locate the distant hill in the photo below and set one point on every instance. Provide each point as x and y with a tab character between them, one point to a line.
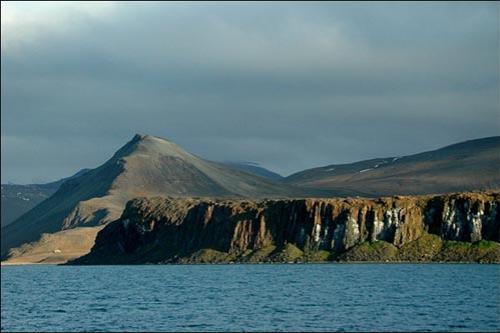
465	166
18	199
255	169
144	167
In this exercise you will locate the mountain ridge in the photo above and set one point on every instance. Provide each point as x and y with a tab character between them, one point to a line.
463	166
256	169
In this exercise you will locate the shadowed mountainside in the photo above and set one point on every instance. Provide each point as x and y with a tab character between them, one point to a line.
18	199
465	166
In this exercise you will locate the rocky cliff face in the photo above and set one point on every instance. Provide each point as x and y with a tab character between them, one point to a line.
173	230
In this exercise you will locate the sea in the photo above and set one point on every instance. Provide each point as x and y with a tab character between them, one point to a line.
251	297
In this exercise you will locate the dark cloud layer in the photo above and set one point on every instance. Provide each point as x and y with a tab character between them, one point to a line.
287	85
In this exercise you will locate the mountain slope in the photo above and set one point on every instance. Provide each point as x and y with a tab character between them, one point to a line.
18	199
55	248
254	169
145	166
465	166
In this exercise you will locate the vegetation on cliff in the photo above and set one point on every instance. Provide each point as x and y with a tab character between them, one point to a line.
428	248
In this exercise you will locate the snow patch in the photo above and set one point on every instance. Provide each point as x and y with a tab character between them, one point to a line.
379	164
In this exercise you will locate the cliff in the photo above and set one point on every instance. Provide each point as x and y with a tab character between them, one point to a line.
455	227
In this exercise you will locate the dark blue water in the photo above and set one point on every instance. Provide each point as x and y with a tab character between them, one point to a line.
359	297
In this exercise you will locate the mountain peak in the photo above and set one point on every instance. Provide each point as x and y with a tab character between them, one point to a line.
149	144
139	137
147	138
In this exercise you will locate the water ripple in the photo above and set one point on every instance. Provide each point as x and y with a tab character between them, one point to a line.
251	298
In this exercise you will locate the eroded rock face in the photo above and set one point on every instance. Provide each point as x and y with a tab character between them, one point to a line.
159	230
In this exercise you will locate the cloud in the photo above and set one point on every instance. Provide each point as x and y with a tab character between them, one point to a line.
25	23
288	85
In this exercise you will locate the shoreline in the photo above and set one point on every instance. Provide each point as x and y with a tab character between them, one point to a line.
267	263
26	263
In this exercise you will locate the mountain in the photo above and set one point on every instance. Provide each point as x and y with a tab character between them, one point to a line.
465	166
18	199
254	169
144	167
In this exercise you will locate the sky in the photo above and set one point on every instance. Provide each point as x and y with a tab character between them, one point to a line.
287	85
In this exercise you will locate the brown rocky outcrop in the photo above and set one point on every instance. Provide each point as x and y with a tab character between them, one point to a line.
164	230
